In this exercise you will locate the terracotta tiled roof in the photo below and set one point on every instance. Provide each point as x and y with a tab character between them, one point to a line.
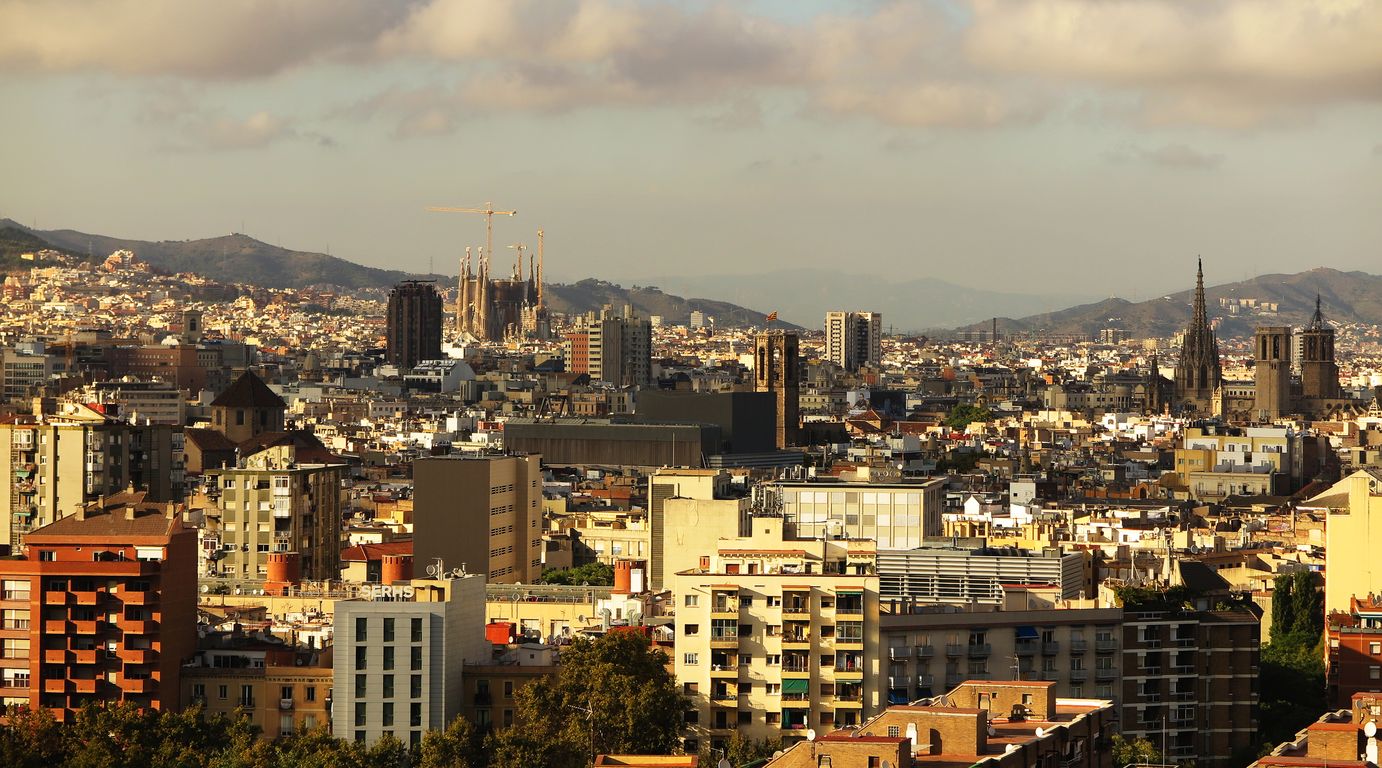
363	553
111	520
249	391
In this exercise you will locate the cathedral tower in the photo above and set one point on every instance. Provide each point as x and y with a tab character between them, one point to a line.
1319	375
1198	373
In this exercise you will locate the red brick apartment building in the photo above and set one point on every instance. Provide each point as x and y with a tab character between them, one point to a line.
1354	657
101	606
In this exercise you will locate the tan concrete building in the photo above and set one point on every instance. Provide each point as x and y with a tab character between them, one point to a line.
281	689
689	511
777	636
483	512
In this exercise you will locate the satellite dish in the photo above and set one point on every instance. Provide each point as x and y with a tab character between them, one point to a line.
811	734
992	732
1370	729
723	764
204	589
1040	732
887	764
777	754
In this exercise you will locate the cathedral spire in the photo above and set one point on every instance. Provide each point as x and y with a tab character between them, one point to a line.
1201	316
1318	320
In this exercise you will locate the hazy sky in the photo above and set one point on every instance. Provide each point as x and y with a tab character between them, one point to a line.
1015	144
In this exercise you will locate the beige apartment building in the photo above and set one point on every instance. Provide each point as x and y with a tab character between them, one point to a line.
777	636
689	511
272	504
47	469
1351	566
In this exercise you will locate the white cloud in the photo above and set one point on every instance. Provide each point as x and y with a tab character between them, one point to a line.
1177	155
1225	63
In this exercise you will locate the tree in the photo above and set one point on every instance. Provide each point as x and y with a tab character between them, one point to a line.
1133	752
963	414
740	750
599	574
459	746
611	695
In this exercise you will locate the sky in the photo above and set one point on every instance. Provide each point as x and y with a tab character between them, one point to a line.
1061	146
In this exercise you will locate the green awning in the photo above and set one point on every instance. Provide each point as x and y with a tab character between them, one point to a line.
796	685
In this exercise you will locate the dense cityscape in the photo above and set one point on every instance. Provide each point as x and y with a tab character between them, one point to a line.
596	383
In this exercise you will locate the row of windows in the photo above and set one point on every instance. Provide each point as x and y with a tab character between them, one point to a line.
501	551
501	530
414	657
386	686
495	490
362	629
502	509
386	717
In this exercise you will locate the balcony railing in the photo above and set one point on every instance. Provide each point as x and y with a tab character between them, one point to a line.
1104	675
900	652
1105	646
1050	649
925	651
1078	646
980	649
954	650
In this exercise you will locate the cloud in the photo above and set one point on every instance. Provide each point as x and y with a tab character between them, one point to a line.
1226	63
1179	156
970	63
201	39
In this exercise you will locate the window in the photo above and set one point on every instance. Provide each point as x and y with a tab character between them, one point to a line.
691	629
415	687
508	689
690	659
415	714
310	693
360	718
773	689
361	628
388	687
285	724
360	657
1374	648
415	658
247	696
417	630
1375	673
388	713
388	657
360	685
690	689
388	630
773	659
222	692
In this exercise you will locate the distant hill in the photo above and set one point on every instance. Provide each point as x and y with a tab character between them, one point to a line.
240	259
231	258
1348	297
805	295
590	295
15	241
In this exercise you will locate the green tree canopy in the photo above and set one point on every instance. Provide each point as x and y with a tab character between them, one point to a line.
964	414
599	574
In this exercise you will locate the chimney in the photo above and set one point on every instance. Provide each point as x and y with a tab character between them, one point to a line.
170	511
131	512
81	509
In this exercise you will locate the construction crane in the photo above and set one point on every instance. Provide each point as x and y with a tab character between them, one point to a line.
520	247
489	214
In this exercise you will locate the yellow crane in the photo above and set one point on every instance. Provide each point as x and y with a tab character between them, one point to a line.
489	214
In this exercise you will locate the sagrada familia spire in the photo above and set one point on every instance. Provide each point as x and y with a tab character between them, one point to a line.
1198	373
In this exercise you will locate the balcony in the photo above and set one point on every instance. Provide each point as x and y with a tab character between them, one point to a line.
849	608
85	656
139	598
897	653
1185	669
139	626
245	702
725	670
724	609
1105	675
799	610
1105	646
849	642
1150	671
926	651
57	627
1182	696
849	672
55	685
138	655
723	697
55	598
1079	675
926	681
980	650
900	682
953	679
1078	646
1050	649
85	597
1185	642
799	640
483	699
795	701
55	656
1050	675
849	701
954	651
1183	721
84	627
85	684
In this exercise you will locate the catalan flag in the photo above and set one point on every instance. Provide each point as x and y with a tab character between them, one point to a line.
771	317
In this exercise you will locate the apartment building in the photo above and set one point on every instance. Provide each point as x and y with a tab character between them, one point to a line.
101	607
400	657
853	339
1351	542
895	515
1192	676
1343	737
776	636
931	649
616	349
689	511
1248	462
282	689
491	687
1354	660
480	512
47	468
273	503
247	408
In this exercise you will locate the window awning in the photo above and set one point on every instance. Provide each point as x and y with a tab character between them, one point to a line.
898	697
796	685
1024	633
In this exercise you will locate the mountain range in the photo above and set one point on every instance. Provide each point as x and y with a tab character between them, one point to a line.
241	259
805	295
1346	297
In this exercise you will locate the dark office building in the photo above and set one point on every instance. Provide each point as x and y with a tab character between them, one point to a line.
746	419
414	318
